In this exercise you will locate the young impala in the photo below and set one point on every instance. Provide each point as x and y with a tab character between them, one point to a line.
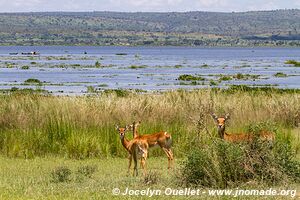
136	148
161	139
221	124
126	143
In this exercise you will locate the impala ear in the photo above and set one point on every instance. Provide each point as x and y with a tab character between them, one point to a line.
214	116
127	127
227	116
117	127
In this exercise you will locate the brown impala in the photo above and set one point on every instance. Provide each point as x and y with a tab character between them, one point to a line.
136	148
161	139
221	123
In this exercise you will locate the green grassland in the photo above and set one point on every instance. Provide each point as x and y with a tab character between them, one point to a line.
41	133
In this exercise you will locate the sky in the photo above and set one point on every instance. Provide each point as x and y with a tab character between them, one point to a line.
145	5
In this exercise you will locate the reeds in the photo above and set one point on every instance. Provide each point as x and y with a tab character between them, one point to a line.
80	127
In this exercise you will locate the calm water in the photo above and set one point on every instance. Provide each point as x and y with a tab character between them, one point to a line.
67	70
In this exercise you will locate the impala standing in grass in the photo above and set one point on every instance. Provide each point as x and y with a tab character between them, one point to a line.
161	139
136	148
221	124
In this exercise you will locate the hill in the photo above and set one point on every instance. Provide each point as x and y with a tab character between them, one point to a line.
267	28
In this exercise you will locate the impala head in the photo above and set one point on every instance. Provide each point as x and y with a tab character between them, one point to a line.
134	125
220	121
122	131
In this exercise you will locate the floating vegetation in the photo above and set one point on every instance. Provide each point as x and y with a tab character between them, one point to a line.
25	67
191	83
91	89
137	66
204	66
103	85
24	90
280	75
246	76
225	78
32	81
97	64
293	62
178	66
188	77
213	83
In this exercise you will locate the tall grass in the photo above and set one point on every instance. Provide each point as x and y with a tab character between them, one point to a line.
81	127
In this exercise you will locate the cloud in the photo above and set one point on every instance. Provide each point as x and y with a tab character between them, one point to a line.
144	5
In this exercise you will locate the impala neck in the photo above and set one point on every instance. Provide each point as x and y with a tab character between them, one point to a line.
135	133
125	142
221	132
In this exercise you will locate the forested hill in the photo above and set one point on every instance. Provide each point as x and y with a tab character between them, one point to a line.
268	28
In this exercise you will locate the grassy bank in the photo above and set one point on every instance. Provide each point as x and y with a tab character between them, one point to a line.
80	127
32	179
72	150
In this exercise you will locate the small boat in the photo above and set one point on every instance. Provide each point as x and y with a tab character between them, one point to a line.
13	53
31	53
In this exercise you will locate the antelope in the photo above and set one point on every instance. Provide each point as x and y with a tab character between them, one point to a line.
139	149
136	148
263	135
162	139
126	143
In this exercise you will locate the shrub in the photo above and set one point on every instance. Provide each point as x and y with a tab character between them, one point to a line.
221	164
61	174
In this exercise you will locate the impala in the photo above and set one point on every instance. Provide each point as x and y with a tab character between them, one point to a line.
139	149
161	139
221	124
136	148
126	143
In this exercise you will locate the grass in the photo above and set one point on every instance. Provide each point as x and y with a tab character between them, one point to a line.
33	179
67	148
82	127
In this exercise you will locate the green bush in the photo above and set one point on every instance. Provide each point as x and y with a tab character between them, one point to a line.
61	174
220	164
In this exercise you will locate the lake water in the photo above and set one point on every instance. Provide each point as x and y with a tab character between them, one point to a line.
71	70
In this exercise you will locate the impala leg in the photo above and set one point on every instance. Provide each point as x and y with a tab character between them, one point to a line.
171	157
135	170
168	155
129	163
143	162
